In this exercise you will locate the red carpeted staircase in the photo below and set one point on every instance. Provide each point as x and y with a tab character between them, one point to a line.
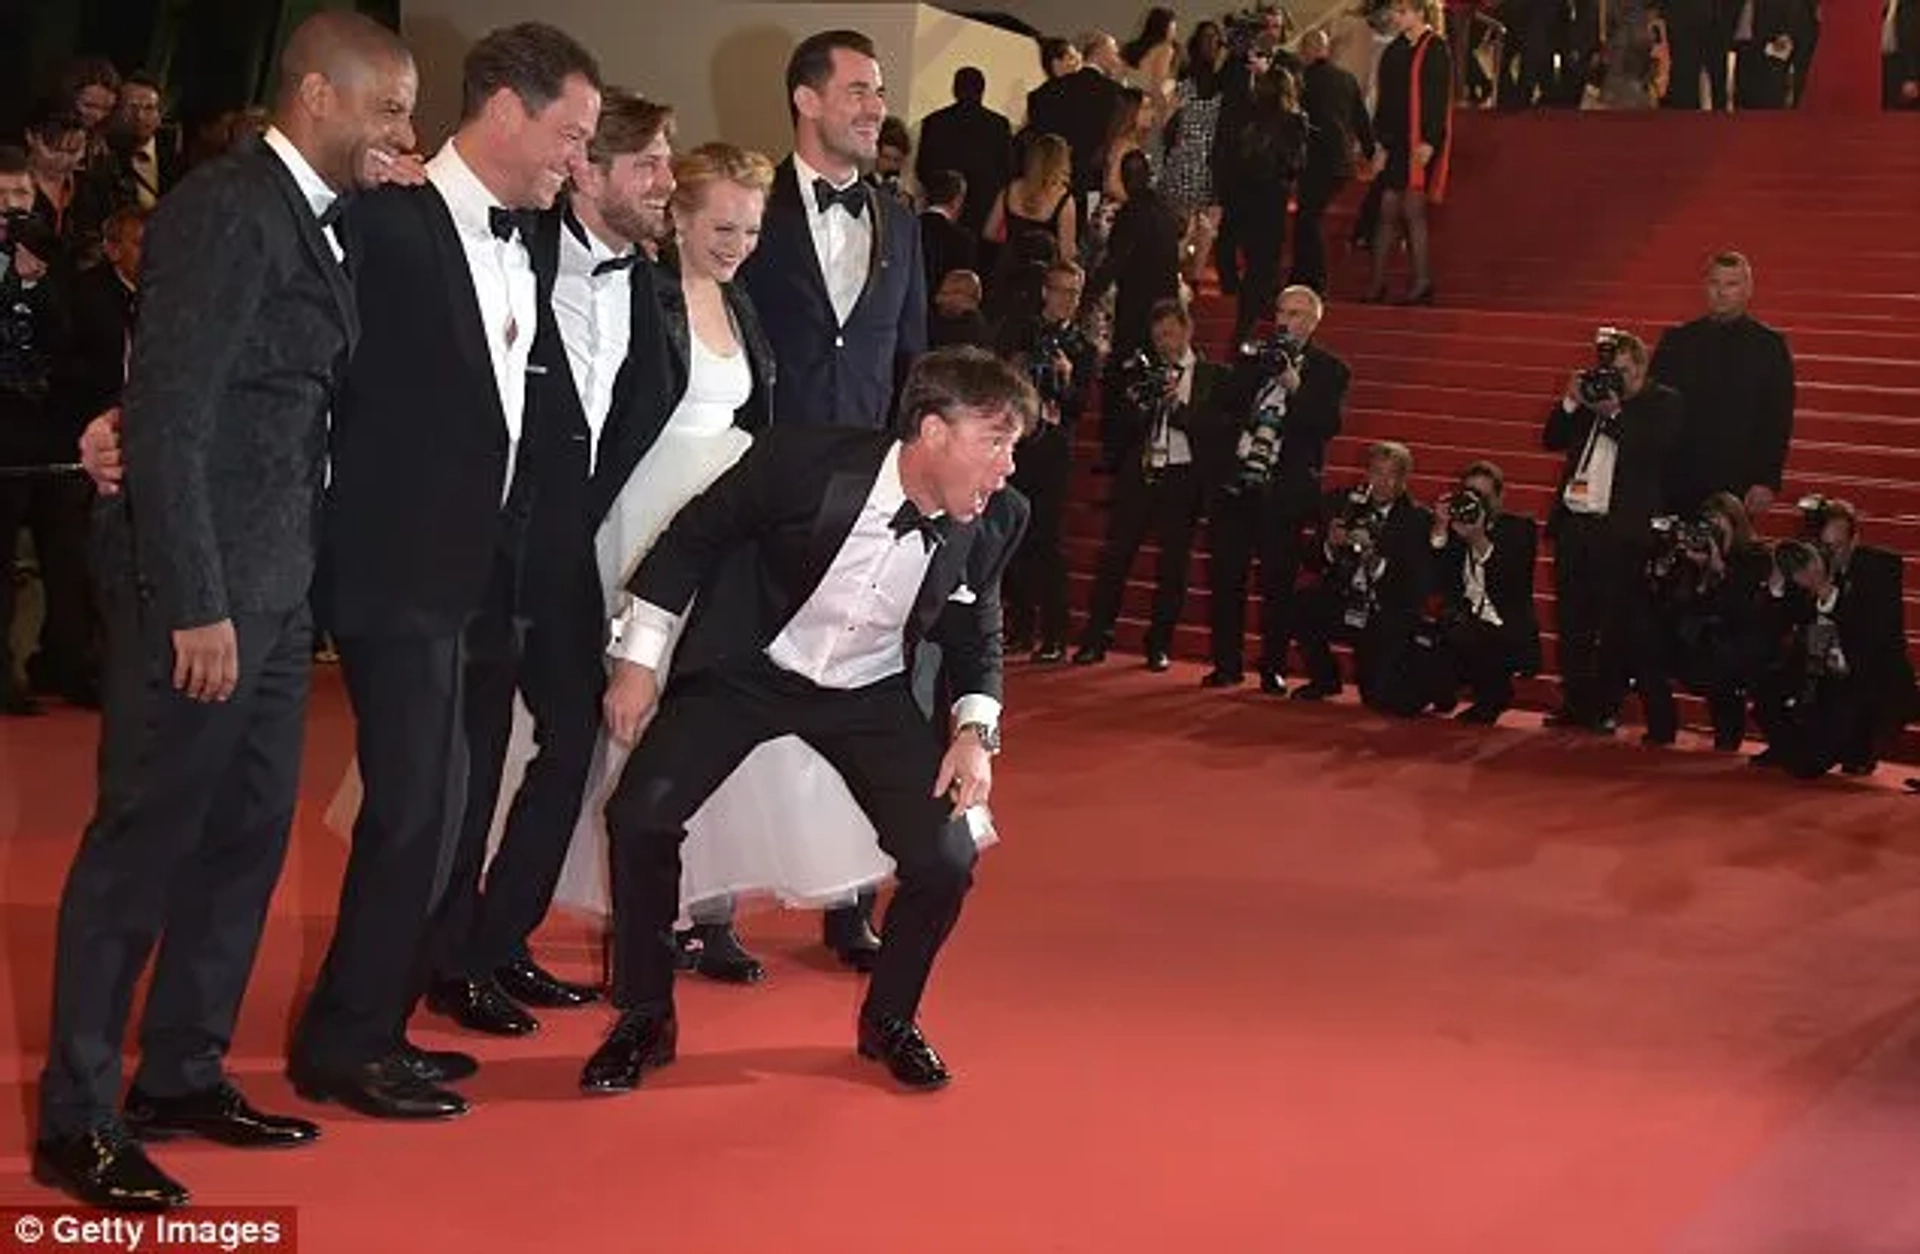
1561	222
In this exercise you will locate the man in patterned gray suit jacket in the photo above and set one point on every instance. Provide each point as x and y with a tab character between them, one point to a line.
247	322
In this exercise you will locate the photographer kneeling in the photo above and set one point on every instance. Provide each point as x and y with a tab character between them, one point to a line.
1705	577
1485	631
1375	567
1618	430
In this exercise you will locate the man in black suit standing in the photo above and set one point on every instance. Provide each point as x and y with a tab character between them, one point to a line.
840	284
861	545
946	244
598	339
249	324
426	518
971	140
1079	108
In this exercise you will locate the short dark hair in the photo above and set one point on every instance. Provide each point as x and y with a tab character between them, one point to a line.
969	83
1484	469
960	380
13	159
88	72
628	123
532	60
140	78
1728	259
945	186
1169	307
811	64
1052	48
51	119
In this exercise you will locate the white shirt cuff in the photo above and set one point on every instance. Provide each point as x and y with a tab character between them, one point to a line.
976	707
641	634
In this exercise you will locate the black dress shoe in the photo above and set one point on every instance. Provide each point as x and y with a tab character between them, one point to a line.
1273	683
1048	654
220	1114
715	951
851	938
436	1066
480	1006
531	984
1315	691
387	1088
1217	678
898	1044
1158	661
642	1041
1089	655
106	1168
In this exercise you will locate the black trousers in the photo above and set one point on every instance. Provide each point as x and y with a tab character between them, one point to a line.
55	510
1598	590
1035	586
195	802
1478	656
556	667
408	694
1316	191
1263	238
1242	527
1383	653
886	750
1167	509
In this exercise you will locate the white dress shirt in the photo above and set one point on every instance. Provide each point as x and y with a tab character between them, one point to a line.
595	313
502	283
1474	586
841	241
1590	491
146	173
1179	448
851	631
319	196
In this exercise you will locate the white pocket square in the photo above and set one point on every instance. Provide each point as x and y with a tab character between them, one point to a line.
963	595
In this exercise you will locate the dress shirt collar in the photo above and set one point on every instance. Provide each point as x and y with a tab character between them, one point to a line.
468	199
889	490
320	197
582	250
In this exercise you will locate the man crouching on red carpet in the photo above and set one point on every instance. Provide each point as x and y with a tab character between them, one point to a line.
820	561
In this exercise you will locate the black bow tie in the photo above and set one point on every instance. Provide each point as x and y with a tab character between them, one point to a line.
505	223
852	197
615	263
909	518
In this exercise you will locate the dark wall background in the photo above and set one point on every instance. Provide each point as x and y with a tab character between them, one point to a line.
213	55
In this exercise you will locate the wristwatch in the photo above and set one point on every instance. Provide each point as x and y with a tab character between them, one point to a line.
989	737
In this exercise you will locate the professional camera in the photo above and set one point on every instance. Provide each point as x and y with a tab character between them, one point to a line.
1146	380
1696	536
1815	510
1679	566
1604	380
1050	341
1467	507
1276	354
1259	449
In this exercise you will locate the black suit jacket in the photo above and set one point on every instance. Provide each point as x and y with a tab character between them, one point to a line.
946	246
1509	575
1142	265
975	141
756	544
1651	429
1737	381
1313	418
247	325
1079	108
832	375
100	311
414	514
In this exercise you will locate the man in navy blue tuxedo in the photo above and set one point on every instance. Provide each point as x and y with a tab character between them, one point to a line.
840	285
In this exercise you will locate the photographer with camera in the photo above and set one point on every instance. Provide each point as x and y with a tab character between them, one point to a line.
1485	630
1827	573
1736	377
1061	362
1157	485
1705	576
1375	568
1618	430
1286	394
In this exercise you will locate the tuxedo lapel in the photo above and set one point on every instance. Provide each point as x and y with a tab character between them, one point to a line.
876	244
469	333
847	491
802	257
314	239
944	574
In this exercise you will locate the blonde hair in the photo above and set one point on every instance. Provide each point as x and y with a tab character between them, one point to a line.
1048	165
700	168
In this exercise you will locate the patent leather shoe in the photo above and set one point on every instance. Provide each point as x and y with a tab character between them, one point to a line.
898	1044
387	1088
220	1114
106	1168
480	1006
642	1041
531	984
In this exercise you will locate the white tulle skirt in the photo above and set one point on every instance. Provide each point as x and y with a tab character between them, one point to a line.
782	827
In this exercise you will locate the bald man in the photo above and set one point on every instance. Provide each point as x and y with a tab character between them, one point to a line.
247	322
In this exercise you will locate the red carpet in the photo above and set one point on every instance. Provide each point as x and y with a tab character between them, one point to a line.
1241	976
1560	222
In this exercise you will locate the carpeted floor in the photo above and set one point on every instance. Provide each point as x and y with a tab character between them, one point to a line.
1240	976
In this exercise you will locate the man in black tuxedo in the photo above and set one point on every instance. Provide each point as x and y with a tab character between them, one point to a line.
946	244
1619	438
1735	375
591	372
144	162
840	283
821	561
971	140
1488	630
1079	108
249	324
1265	486
426	519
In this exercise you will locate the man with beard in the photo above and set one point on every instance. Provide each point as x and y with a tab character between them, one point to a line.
594	363
841	289
249	322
